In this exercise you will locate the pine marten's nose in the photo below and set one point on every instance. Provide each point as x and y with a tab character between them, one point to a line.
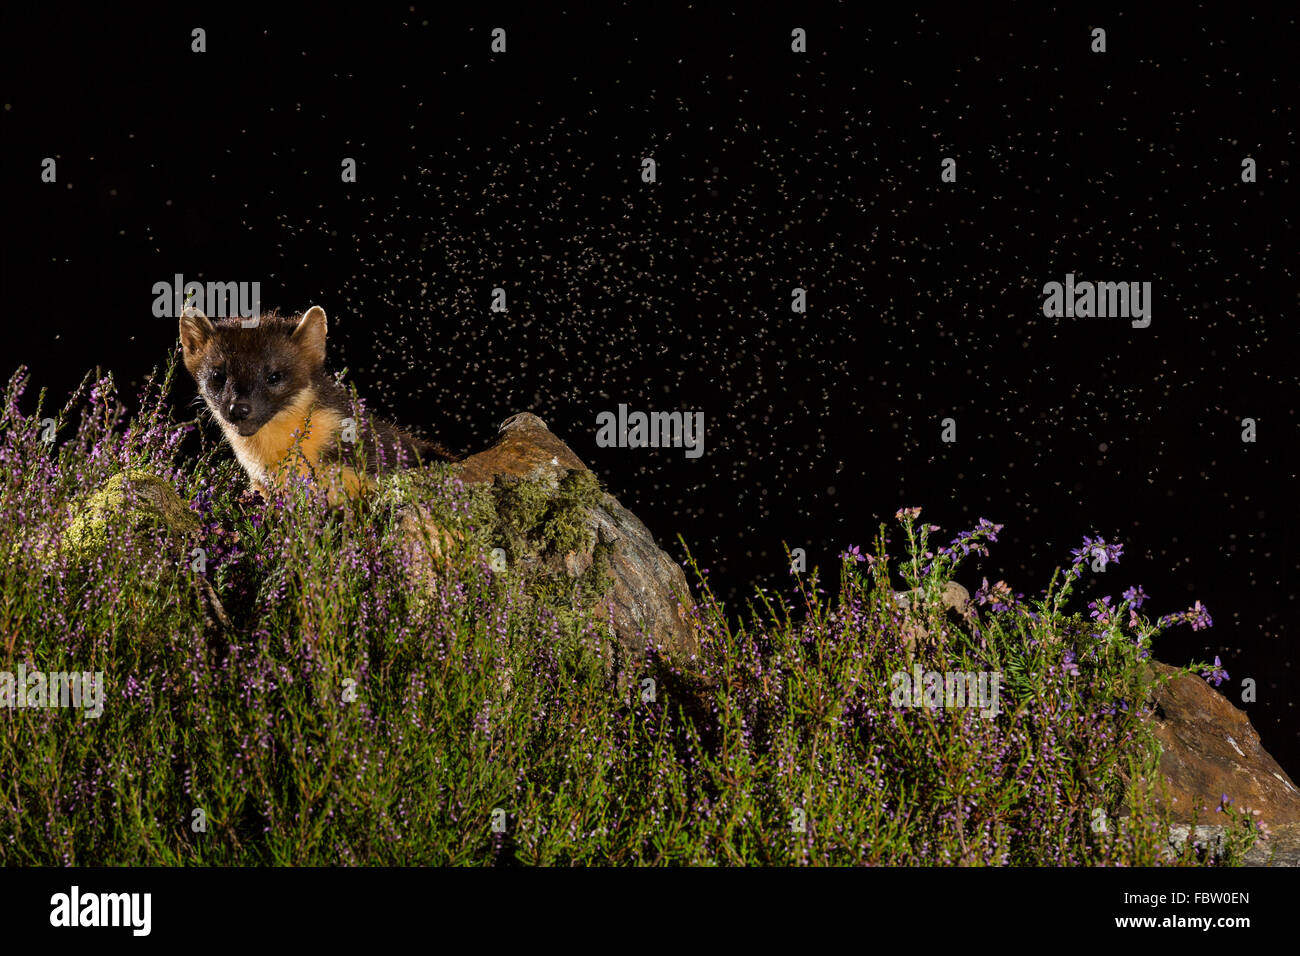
239	411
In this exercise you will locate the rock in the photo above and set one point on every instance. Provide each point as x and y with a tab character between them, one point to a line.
1209	748
544	508
523	447
141	500
954	597
956	601
1210	837
134	496
422	541
1280	846
649	597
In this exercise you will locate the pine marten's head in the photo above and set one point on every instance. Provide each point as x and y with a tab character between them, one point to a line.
248	375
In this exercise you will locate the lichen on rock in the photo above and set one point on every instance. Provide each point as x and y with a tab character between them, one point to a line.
570	544
543	523
136	497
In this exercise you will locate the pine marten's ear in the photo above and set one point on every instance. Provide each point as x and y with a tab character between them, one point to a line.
310	335
196	332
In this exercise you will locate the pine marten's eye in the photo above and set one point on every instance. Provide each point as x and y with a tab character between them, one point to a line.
274	378
217	378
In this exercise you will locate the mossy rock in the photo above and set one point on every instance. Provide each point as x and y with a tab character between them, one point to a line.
135	498
573	547
543	523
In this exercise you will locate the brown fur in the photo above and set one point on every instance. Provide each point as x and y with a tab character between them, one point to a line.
282	411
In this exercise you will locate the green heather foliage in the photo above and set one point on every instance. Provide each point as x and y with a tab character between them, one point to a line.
347	717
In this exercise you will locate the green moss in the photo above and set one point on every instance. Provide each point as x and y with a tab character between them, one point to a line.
521	508
133	496
598	579
530	518
537	521
567	523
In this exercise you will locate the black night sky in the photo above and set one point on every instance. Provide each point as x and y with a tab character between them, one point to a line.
775	170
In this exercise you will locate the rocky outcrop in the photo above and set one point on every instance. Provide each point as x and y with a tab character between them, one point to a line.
592	539
957	606
142	500
1209	749
135	497
955	598
1278	846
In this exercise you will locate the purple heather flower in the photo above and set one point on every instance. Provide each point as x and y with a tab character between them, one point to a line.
1101	610
1135	596
1217	675
852	553
1200	618
1095	548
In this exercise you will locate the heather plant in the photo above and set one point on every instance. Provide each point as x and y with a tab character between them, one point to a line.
282	689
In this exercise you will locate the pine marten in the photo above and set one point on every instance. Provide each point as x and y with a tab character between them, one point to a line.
268	388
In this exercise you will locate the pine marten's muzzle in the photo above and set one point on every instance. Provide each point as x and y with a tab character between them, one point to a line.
237	413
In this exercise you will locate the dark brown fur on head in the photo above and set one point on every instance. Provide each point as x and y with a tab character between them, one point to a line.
247	375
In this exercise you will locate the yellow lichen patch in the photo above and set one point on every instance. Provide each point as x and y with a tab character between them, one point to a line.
135	496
